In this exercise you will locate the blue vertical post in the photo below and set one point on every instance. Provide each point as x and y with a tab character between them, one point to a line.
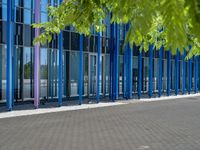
81	71
189	76
184	73
150	69
116	63
160	71
126	71
168	72
125	66
139	74
176	73
98	66
9	79
130	55
195	74
111	61
60	47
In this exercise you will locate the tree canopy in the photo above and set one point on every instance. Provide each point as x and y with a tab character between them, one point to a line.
173	24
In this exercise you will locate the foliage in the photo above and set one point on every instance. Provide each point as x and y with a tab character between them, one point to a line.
173	24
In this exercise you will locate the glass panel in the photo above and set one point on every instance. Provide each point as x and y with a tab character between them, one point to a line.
145	74
155	74
135	73
66	80
121	63
172	75
164	86
28	72
43	72
74	73
2	72
18	73
52	73
85	73
101	82
107	74
93	74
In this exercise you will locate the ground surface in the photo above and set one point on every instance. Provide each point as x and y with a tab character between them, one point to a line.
158	125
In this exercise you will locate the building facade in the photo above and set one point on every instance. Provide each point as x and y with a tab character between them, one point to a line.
75	67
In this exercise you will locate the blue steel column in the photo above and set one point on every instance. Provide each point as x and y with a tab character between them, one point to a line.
150	70
9	79
111	61
176	73
195	74
168	73
139	74
98	65
60	75
130	71
184	73
125	67
125	72
81	71
116	63
189	76
160	71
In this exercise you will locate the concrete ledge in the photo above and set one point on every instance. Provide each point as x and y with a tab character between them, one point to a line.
17	113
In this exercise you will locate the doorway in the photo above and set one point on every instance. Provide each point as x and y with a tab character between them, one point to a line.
93	74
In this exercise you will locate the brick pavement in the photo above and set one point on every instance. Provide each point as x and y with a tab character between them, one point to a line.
158	125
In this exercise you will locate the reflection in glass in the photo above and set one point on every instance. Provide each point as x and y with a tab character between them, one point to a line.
121	63
155	81
74	73
28	72
145	74
2	72
164	76
135	73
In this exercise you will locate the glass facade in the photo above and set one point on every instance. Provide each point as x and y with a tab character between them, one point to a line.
23	61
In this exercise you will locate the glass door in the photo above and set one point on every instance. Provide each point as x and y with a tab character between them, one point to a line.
93	75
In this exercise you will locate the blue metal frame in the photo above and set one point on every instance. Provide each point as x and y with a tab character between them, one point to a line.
98	66
168	73
139	74
160	71
126	71
150	70
189	76
176	73
130	71
184	73
60	78
195	74
115	64
9	74
81	71
111	61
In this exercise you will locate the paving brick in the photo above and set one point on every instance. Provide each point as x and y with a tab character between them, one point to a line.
159	125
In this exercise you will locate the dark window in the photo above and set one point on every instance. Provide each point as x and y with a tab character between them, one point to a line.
27	35
3	32
135	50
92	42
66	40
54	42
18	34
75	41
86	43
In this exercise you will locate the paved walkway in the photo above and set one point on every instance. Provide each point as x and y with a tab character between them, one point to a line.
158	125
